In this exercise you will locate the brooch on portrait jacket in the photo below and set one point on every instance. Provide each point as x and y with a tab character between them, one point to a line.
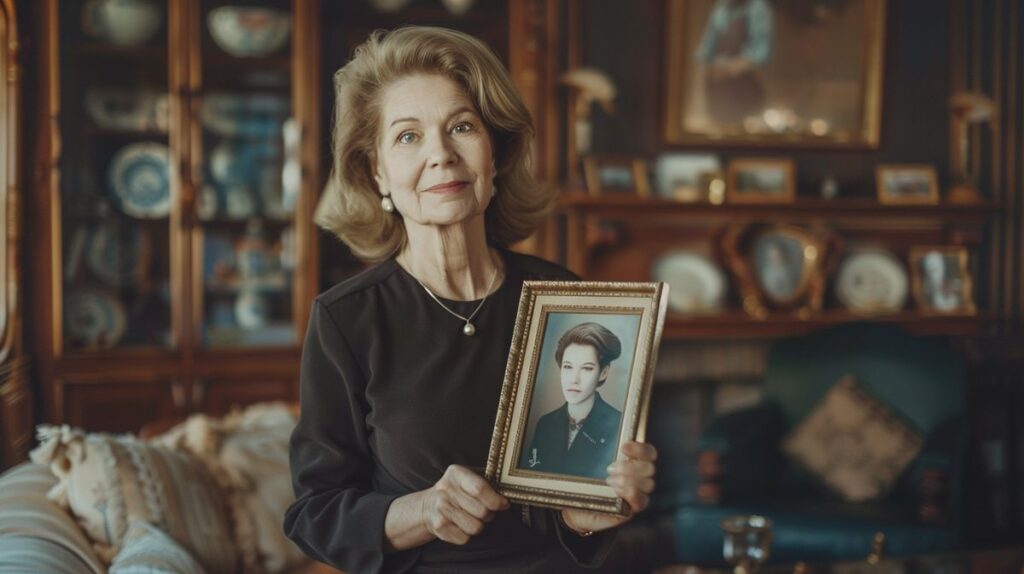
534	461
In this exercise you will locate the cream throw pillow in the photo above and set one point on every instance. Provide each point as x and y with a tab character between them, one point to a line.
108	481
247	452
853	443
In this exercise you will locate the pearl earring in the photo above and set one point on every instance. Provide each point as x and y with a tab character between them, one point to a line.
386	204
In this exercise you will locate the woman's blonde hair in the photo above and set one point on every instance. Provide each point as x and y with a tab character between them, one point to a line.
353	210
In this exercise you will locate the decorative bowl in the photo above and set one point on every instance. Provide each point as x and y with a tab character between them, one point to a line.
249	32
122	22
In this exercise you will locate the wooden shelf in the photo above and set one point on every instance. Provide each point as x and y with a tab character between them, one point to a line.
150	52
739	325
802	209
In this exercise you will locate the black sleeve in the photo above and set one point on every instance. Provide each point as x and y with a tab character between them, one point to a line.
337	517
588	552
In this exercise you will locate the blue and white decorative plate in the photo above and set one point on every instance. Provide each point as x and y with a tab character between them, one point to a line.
119	253
139	177
94	318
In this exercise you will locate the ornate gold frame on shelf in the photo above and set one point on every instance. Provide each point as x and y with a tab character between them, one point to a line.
817	247
635	314
961	277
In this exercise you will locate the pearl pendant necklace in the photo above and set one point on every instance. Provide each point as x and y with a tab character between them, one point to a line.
469	329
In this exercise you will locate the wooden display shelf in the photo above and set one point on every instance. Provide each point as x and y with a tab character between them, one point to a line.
149	53
801	209
739	325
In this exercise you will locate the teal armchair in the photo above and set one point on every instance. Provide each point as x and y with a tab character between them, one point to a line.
741	469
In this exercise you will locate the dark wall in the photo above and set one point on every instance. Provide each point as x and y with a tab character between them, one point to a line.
625	39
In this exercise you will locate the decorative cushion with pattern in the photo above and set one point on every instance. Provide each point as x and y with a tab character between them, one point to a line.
108	481
247	452
149	550
853	443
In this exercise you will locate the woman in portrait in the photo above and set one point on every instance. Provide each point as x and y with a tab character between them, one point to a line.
579	437
736	43
403	364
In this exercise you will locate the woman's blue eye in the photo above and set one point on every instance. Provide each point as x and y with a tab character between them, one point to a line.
407	137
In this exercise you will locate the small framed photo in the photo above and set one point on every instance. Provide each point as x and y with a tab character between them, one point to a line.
576	388
907	184
941	280
607	174
685	176
755	180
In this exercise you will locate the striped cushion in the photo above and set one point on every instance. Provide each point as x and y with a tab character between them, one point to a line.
148	550
108	481
22	554
26	512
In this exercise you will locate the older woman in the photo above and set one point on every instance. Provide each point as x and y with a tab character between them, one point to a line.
403	364
579	437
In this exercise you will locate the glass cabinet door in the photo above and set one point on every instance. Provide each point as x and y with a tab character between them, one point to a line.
244	154
115	184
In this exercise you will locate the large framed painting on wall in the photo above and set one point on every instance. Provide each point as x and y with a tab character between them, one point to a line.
774	72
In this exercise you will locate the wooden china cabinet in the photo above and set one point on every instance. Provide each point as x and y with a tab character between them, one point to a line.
181	148
15	395
177	169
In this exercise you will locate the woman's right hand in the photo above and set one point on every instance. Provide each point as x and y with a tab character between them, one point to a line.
456	508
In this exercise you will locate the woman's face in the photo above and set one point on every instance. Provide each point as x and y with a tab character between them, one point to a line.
434	153
580	373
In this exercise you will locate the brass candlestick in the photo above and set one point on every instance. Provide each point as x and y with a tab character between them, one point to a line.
966	108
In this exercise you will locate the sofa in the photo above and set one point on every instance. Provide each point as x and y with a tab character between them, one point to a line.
746	462
206	496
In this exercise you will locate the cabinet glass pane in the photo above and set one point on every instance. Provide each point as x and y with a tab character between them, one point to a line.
115	177
247	173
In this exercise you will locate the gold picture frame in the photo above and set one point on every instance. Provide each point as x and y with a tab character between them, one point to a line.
768	88
780	267
560	331
760	180
907	184
608	174
941	280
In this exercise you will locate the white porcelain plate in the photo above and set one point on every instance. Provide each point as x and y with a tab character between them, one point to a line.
94	318
696	284
872	280
119	253
139	177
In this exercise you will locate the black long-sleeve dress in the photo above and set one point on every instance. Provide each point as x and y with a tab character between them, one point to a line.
392	393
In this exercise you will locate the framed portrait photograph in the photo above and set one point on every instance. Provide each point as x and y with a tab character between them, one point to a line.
576	388
608	174
803	73
760	181
907	184
780	266
941	280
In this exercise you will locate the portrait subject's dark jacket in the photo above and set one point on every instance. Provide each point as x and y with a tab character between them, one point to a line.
592	451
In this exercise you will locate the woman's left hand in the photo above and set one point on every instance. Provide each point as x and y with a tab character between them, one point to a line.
633	480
